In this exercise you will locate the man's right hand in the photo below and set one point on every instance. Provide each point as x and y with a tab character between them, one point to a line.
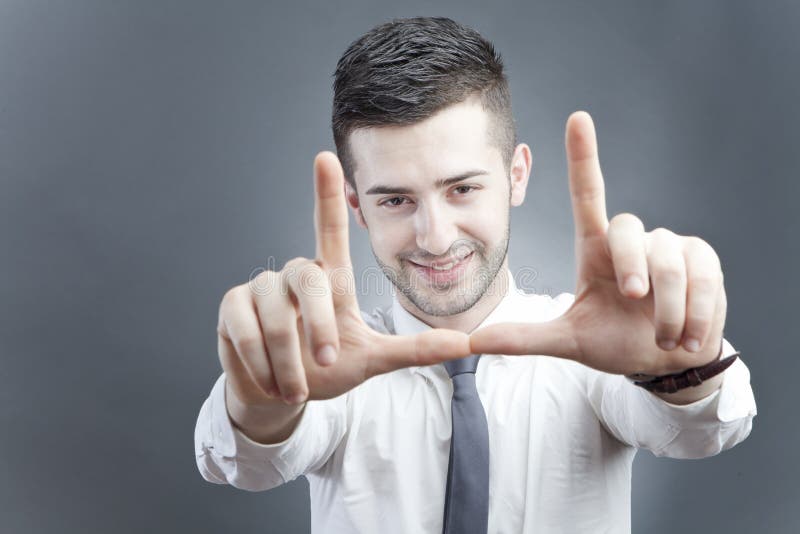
298	334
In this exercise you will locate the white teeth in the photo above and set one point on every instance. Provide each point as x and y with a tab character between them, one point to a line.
446	267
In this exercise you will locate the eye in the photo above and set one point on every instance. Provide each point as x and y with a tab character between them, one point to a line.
391	202
463	187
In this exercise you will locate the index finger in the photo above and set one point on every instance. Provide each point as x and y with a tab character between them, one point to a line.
330	212
585	179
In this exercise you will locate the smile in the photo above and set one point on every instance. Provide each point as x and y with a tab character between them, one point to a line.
444	272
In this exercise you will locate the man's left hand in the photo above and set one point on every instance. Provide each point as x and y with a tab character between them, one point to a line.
645	302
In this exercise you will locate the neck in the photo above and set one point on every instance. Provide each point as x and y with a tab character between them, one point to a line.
468	320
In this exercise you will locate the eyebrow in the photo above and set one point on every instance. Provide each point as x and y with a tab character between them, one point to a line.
440	183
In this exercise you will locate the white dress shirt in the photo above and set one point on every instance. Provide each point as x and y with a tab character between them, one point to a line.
562	438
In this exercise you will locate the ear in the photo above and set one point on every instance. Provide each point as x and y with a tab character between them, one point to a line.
519	173
352	200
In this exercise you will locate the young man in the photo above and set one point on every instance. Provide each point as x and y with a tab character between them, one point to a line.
416	417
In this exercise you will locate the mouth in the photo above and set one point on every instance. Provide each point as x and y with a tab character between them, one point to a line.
443	272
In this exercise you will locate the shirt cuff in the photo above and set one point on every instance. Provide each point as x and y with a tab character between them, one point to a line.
289	456
733	400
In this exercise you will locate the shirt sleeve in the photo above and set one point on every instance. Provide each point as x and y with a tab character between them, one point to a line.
697	430
643	420
226	456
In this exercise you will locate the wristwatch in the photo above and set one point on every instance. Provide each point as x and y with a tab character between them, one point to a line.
683	379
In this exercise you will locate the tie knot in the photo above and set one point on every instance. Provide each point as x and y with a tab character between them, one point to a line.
468	364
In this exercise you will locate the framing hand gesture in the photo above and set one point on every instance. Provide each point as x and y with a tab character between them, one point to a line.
645	302
298	334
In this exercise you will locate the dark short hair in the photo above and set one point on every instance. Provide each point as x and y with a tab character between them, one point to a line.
402	72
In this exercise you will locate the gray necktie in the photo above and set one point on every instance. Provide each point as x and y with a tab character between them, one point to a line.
466	502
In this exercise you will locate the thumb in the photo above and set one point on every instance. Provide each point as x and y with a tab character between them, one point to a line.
552	338
427	348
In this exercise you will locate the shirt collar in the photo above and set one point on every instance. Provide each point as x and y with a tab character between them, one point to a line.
505	311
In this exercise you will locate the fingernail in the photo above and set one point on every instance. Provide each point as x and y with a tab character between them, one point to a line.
634	284
692	345
326	355
668	344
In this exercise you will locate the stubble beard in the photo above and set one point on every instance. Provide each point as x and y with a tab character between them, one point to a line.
453	298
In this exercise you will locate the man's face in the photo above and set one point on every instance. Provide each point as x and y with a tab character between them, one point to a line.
435	199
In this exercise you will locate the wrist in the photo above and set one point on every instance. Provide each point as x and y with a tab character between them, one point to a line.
692	394
692	377
265	423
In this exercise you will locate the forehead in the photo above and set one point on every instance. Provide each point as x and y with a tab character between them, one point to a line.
451	141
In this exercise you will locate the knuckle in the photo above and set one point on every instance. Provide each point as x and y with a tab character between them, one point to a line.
627	219
263	283
697	327
290	386
662	234
342	281
311	267
310	280
668	329
232	295
704	284
264	277
230	300
221	330
228	296
293	265
588	195
276	335
250	343
700	246
669	274
660	230
696	242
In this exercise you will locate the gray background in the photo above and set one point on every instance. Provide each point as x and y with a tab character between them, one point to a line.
153	154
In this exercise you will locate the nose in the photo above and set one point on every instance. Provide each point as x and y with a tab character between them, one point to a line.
436	229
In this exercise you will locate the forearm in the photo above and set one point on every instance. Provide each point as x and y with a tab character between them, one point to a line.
266	424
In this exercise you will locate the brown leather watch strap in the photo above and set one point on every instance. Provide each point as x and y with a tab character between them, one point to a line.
689	378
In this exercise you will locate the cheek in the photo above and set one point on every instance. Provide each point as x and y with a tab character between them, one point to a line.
388	240
489	219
